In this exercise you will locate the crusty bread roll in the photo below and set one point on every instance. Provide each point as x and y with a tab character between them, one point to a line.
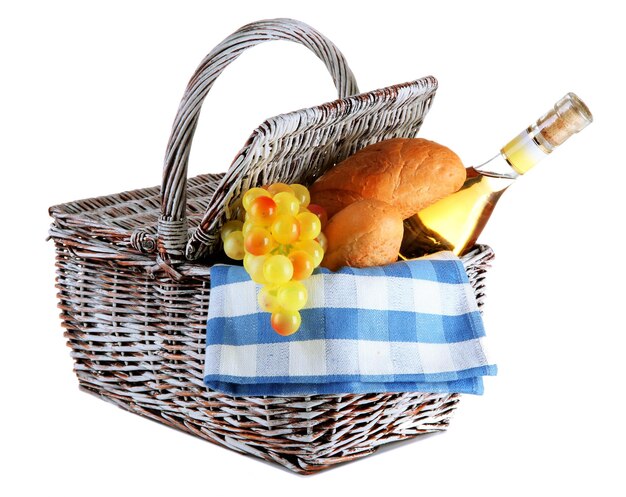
366	233
408	173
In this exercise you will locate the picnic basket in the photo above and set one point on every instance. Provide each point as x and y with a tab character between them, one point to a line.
133	273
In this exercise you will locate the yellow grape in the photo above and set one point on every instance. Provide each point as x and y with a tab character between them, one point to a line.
310	225
279	187
287	203
258	241
233	245
292	296
302	194
246	262
268	302
248	226
277	269
262	211
286	322
313	248
254	266
323	241
302	264
320	212
286	229
252	194
229	227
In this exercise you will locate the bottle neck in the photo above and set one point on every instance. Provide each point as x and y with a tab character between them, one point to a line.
524	151
568	116
517	157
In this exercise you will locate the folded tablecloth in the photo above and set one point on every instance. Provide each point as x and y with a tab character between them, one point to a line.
409	326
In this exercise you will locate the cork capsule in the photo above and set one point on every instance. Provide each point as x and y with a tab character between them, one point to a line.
569	116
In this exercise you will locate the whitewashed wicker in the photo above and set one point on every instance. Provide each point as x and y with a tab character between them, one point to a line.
133	273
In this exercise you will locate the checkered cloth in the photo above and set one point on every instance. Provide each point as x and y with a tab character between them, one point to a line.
409	326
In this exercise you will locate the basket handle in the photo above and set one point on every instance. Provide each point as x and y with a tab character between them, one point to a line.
172	226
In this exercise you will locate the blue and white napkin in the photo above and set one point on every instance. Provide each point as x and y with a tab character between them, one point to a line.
409	326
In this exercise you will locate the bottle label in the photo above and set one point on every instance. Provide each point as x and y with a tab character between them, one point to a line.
522	152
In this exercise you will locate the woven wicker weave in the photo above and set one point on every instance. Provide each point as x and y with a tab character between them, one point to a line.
133	274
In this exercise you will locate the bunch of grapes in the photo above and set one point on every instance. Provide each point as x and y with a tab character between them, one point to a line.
281	243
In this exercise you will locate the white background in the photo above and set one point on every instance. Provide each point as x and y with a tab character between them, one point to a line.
88	94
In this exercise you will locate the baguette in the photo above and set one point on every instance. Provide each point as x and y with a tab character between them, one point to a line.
408	173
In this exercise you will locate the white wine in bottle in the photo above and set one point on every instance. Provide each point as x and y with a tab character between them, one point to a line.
455	222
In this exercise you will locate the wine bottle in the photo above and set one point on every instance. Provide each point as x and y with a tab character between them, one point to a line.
455	222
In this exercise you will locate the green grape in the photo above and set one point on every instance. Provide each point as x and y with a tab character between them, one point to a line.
287	203
277	269
268	302
301	193
292	296
285	322
313	248
285	229
233	245
254	266
310	225
229	227
252	194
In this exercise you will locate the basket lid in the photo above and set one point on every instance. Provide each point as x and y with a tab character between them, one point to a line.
299	146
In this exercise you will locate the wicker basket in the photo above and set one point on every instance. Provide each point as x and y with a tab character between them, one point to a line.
133	273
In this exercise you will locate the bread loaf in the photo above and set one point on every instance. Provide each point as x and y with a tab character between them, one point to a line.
408	173
366	233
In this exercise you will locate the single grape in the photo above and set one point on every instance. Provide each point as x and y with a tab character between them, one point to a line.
254	266
246	262
313	248
310	225
262	211
252	194
258	241
302	194
286	229
233	245
277	269
287	203
279	187
286	322
302	264
323	241
320	212
231	226
267	299
249	226
292	296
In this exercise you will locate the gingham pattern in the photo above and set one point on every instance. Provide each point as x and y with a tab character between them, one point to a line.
409	326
